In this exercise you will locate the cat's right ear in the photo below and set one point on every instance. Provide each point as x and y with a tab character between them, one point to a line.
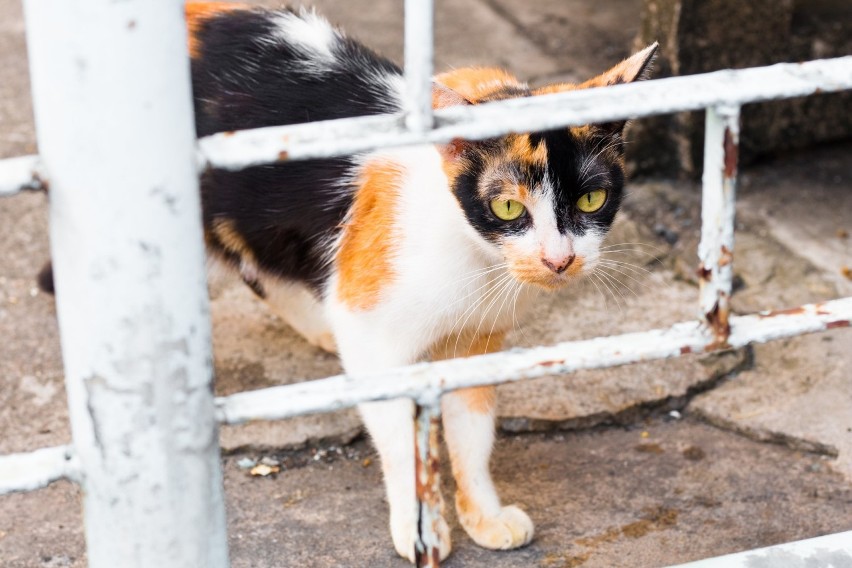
443	97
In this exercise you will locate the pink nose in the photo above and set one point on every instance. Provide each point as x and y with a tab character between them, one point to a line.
558	265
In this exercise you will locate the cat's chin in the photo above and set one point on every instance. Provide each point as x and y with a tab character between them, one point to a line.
550	283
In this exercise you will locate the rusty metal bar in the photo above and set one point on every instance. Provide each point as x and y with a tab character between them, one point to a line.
528	114
718	205
427	483
412	381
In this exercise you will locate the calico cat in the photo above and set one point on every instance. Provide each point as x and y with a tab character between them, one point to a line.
397	255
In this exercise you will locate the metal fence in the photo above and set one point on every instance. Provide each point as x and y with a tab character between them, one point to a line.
117	149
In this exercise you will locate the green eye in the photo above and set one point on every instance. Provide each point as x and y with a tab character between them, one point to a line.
507	209
592	201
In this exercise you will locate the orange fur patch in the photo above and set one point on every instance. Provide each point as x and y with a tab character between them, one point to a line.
554	88
478	399
476	83
225	230
199	12
522	150
364	259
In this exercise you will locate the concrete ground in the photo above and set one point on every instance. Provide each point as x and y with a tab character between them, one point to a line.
610	477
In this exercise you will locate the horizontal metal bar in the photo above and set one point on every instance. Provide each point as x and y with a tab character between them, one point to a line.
20	173
830	551
34	470
235	150
422	381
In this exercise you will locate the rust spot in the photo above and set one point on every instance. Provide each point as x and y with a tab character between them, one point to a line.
685	349
731	151
229	133
726	257
703	273
657	519
717	319
846	272
39	183
131	25
787	312
283	155
837	324
551	363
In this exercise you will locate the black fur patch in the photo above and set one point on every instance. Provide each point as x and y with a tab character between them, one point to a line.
245	77
566	156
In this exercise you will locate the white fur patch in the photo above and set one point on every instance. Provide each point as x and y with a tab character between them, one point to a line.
309	33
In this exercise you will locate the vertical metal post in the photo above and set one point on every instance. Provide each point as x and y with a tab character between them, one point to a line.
419	23
428	483
113	106
715	252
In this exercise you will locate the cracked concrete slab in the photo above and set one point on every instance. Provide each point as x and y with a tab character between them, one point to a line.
800	390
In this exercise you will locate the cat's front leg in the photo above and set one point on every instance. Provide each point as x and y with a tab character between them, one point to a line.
364	348
468	417
391	426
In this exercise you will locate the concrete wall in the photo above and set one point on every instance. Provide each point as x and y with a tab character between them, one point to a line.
698	36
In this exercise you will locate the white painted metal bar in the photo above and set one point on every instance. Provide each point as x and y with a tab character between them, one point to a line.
423	380
646	98
718	205
34	470
427	474
419	18
19	173
114	120
830	551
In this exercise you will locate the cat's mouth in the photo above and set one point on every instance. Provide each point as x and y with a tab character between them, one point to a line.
546	278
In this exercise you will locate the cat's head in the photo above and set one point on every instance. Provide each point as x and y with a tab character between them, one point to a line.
542	201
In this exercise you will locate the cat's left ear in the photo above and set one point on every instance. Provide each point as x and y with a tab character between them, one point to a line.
637	67
443	97
634	68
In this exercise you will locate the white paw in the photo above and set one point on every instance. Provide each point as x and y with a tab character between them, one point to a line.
404	534
511	528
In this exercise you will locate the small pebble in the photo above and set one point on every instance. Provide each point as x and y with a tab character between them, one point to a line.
675	415
246	463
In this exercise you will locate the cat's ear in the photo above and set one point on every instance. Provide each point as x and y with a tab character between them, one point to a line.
637	67
634	68
443	97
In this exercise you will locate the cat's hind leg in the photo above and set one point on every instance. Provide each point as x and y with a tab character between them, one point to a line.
468	416
300	308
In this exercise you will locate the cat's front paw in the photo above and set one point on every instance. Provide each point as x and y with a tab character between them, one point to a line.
404	534
511	528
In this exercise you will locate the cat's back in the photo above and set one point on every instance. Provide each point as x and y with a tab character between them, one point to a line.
254	67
